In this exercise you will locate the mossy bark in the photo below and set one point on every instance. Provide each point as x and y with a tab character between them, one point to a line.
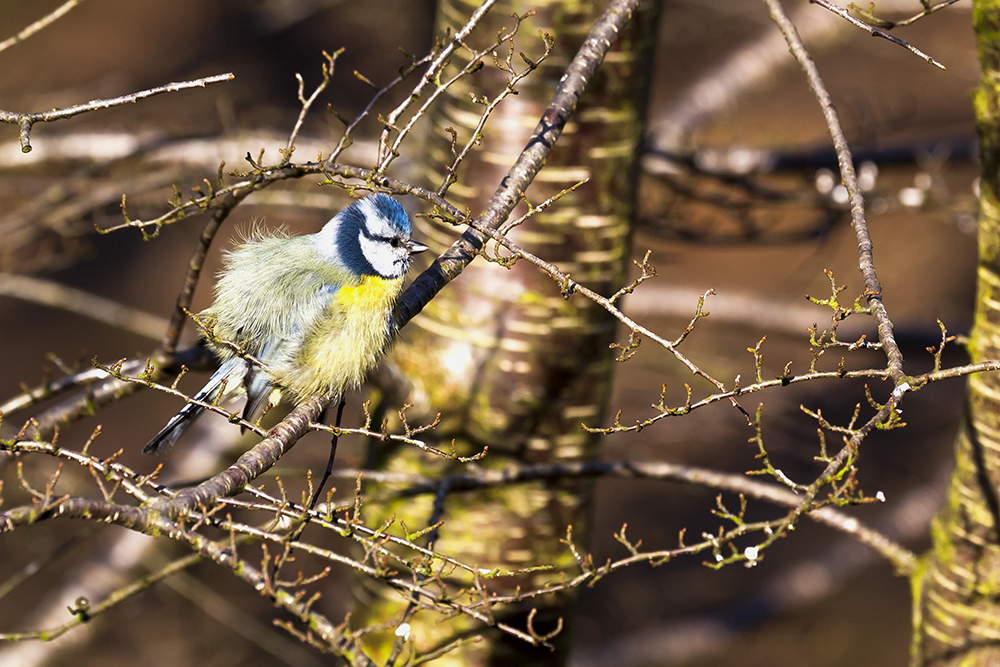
507	360
957	590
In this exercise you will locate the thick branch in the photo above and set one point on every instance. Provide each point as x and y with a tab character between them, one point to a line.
252	463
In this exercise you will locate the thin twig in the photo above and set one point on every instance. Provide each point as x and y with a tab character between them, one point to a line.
873	31
509	89
389	153
889	25
901	557
873	289
195	266
26	120
588	58
328	69
116	597
430	76
39	24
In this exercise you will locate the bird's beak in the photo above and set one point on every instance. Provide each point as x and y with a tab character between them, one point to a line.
416	247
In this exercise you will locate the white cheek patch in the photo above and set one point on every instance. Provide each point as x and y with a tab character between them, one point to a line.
381	256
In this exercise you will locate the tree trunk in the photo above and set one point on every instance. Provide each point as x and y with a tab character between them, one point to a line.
957	592
509	361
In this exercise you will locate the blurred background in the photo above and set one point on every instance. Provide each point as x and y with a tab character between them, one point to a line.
760	240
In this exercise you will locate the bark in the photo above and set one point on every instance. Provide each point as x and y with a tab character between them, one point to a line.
957	617
510	362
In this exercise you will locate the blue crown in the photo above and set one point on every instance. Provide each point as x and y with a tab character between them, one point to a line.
385	207
391	210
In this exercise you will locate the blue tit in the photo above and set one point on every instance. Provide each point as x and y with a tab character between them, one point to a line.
317	310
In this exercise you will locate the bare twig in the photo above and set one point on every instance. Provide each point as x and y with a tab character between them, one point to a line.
588	58
875	32
39	24
508	89
901	558
745	69
873	289
113	599
195	266
389	152
889	25
328	69
440	60
26	120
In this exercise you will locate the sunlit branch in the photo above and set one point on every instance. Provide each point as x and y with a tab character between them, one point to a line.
875	32
873	289
26	120
41	23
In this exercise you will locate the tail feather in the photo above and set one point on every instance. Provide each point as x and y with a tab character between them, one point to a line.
258	387
169	434
231	371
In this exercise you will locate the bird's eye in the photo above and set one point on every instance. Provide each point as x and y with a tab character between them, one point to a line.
394	241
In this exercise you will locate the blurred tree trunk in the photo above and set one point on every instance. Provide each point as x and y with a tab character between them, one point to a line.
509	362
957	592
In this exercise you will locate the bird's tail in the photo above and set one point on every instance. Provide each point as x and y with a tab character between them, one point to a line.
231	371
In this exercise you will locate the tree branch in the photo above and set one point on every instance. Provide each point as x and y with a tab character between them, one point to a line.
591	54
41	23
26	120
873	289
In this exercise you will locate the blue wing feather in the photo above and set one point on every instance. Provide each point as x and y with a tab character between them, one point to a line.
231	371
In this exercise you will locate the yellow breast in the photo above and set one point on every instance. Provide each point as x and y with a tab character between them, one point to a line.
349	341
372	294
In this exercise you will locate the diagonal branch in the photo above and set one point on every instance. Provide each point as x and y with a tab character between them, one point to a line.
873	289
41	23
875	32
591	54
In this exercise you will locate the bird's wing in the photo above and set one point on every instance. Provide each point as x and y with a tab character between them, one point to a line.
284	343
231	372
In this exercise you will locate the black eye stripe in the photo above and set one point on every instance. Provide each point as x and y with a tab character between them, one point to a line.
391	240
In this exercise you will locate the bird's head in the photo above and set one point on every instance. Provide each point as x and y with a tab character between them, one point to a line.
371	237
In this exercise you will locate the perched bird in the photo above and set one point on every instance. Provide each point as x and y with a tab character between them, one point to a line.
317	310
